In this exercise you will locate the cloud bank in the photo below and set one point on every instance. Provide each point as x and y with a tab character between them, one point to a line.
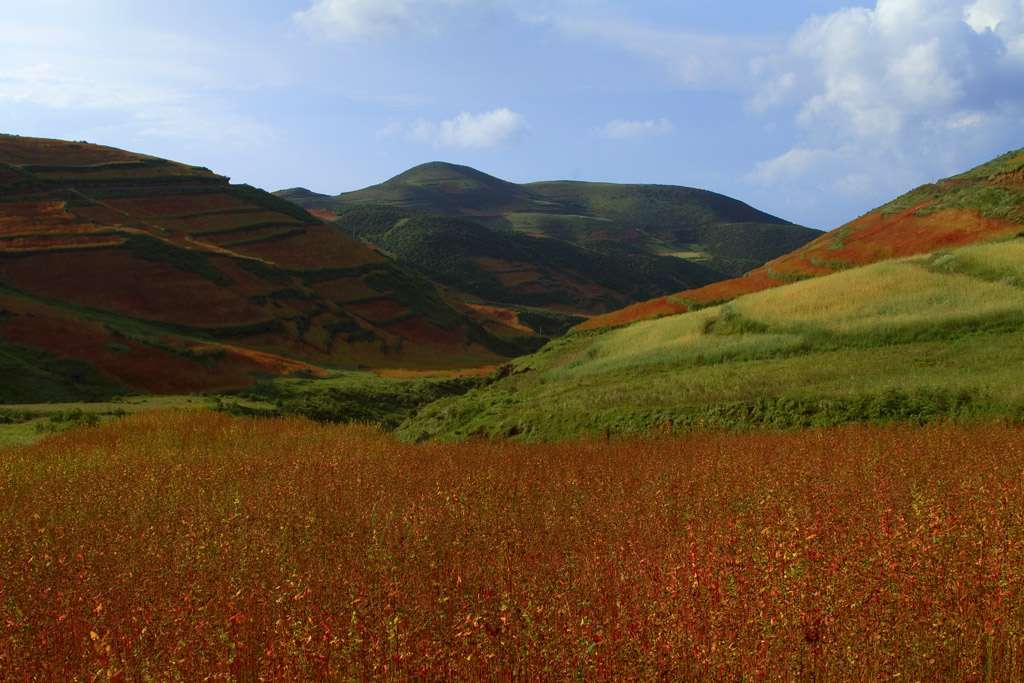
907	63
894	96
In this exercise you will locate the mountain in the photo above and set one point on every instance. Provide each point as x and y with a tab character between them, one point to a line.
120	271
982	204
652	234
914	311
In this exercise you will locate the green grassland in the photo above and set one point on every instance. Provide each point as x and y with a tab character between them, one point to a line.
913	338
342	397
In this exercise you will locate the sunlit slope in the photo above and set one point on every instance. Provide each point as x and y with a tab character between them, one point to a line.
941	334
982	204
162	276
655	221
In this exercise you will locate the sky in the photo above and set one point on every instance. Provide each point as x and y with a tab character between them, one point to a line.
816	111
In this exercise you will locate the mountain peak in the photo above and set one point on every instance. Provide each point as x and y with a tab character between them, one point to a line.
441	173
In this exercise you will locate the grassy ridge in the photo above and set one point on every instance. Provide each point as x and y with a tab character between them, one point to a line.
823	351
193	546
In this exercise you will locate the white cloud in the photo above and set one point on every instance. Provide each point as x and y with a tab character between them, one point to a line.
907	64
1005	18
892	96
793	164
995	15
620	129
346	20
490	129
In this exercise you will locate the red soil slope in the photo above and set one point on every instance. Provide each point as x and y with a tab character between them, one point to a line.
102	248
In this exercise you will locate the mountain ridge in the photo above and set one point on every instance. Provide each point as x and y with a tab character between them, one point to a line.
652	233
655	219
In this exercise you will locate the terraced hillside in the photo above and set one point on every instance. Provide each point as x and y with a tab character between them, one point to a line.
654	231
982	204
158	276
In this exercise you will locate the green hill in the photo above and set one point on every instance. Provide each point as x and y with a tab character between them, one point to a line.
720	233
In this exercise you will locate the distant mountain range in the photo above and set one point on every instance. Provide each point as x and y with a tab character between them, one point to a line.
573	246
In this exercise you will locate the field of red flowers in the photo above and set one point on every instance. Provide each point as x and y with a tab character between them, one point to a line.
194	546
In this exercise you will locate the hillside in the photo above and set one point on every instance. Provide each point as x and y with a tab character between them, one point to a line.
510	268
666	228
120	271
936	335
982	204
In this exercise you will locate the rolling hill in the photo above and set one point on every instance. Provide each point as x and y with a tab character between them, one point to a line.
120	271
984	203
608	243
937	332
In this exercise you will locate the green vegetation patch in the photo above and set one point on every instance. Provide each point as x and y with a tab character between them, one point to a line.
345	397
990	201
1001	261
444	248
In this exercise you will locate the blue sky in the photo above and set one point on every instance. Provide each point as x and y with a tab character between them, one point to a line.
813	110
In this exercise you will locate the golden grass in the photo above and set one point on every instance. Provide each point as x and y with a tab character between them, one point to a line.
995	259
671	340
890	293
880	300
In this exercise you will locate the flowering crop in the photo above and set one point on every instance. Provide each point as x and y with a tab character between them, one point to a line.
194	546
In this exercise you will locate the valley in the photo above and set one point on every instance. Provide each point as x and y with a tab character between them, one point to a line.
450	427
